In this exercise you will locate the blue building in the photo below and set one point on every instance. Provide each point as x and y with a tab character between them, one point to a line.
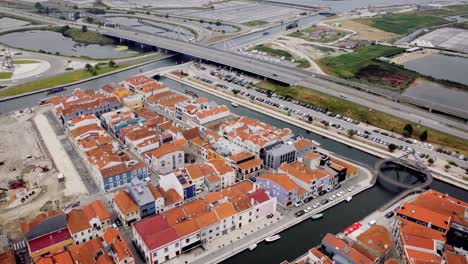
96	107
121	125
122	174
280	186
142	195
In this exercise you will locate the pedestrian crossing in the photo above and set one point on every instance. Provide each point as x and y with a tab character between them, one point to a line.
19	246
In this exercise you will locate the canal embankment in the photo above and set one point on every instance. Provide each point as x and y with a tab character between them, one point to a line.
439	174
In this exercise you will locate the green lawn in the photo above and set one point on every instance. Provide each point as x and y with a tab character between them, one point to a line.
403	23
5	75
61	80
361	113
348	65
25	62
255	23
274	52
88	37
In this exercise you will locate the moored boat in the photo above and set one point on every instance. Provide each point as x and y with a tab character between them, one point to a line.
316	216
252	247
272	238
234	104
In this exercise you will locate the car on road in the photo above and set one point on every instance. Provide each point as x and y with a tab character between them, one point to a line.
389	214
299	213
299	203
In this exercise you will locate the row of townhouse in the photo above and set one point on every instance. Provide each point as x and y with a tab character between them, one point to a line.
200	111
49	234
431	228
195	223
197	179
80	103
110	249
110	166
298	181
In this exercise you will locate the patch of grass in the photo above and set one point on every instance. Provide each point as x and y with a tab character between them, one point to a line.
274	52
403	23
304	34
25	62
361	113
255	23
463	25
5	75
348	65
303	63
88	37
62	79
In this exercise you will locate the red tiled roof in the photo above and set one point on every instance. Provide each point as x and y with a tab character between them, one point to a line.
155	231
259	196
165	149
423	214
49	240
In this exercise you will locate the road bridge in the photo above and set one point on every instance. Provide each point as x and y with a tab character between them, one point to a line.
365	95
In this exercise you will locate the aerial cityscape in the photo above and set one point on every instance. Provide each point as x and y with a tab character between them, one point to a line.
233	131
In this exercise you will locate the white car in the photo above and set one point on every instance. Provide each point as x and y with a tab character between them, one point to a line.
308	209
299	203
331	198
316	205
338	194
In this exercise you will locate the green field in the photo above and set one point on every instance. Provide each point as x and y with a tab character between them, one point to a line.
403	23
5	75
274	52
304	34
348	65
361	113
88	37
62	79
303	63
25	62
255	23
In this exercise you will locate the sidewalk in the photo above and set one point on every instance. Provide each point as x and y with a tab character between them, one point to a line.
381	153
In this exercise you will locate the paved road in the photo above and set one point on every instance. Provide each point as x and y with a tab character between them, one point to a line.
333	120
285	74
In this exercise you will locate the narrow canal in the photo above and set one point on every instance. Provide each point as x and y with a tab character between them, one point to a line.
298	239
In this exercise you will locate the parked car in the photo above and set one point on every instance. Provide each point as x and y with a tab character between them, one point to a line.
299	213
299	203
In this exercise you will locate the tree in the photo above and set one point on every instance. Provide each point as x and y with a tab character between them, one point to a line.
350	133
447	167
84	28
88	67
236	91
423	136
408	130
39	7
311	118
392	147
430	161
112	64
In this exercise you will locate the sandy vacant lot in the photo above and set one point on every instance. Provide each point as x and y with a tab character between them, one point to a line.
365	32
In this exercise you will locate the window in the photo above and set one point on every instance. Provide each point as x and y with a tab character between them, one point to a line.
117	177
187	240
166	250
163	163
110	179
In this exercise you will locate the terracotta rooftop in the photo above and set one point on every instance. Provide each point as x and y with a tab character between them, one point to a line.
378	238
224	210
250	164
77	221
165	149
196	171
114	238
124	201
206	219
186	227
240	156
410	228
425	215
344	248
453	258
303	143
155	231
280	179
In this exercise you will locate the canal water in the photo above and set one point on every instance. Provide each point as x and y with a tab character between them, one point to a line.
51	41
300	238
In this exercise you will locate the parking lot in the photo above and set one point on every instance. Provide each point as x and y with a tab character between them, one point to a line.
228	80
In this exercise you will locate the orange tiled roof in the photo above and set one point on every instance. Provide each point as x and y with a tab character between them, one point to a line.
250	164
186	227
345	249
423	214
424	257
410	228
303	143
161	96
221	166
25	226
240	156
124	201
206	219
280	179
452	258
320	255
311	155
197	171
170	197
212	112
300	171
77	221
165	149
173	101
85	253
378	238
349	168
224	210
114	238
212	197
195	207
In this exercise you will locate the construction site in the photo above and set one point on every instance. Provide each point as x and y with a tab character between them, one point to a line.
30	182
